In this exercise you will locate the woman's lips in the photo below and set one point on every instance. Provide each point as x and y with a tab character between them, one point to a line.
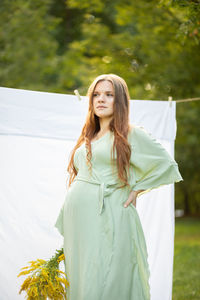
101	107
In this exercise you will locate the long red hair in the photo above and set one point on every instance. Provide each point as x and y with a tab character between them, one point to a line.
119	125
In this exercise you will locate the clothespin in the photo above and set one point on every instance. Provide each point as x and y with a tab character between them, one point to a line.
170	101
77	94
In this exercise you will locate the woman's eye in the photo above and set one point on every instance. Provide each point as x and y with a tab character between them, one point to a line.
96	95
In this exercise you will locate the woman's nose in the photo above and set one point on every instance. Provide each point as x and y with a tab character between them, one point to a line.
101	97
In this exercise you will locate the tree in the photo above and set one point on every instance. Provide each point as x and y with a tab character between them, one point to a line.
28	51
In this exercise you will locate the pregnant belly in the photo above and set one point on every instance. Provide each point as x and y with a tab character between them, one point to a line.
81	218
82	200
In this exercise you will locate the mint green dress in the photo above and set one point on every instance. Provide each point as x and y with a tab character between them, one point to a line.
104	244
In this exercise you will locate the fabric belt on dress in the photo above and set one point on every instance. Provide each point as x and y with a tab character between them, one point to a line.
105	189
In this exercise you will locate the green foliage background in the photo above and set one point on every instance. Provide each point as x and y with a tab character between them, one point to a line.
59	46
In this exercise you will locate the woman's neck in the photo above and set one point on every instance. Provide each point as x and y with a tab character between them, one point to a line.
104	124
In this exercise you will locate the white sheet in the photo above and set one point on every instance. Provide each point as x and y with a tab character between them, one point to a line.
37	133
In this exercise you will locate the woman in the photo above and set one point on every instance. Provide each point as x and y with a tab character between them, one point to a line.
112	162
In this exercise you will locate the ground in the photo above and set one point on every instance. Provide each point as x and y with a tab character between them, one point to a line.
186	273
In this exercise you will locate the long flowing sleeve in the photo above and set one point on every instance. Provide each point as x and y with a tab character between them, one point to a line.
153	165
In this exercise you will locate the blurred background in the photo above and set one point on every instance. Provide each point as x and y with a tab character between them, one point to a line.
59	46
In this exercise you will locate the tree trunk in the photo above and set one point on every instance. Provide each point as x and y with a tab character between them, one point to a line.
186	201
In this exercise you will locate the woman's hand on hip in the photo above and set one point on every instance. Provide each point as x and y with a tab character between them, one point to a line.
132	198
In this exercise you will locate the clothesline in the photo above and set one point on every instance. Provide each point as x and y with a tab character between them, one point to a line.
187	100
169	99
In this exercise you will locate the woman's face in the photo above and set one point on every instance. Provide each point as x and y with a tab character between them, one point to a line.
103	99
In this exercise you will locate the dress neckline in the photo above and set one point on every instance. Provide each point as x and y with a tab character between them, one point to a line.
102	137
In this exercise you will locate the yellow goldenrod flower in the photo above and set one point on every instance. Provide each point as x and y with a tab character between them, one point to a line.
45	280
61	257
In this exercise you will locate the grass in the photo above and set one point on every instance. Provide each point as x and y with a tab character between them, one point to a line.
186	273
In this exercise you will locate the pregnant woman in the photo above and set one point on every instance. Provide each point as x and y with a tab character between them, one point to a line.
111	163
